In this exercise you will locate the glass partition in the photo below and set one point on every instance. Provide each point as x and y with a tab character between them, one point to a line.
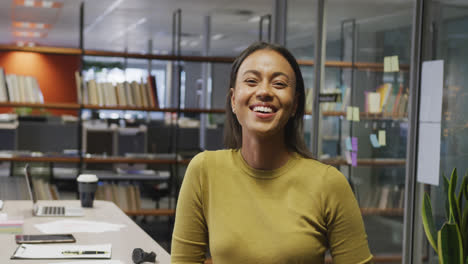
448	41
363	129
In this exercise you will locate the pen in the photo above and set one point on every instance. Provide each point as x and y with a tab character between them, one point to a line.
86	252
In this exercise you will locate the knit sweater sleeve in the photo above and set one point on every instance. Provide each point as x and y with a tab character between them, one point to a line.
346	235
190	237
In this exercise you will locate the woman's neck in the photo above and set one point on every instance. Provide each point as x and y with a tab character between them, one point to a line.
265	153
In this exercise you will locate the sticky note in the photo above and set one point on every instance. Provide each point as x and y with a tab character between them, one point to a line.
382	138
348	157
373	102
395	64
374	141
354	144
354	159
348	144
356	113
387	66
349	113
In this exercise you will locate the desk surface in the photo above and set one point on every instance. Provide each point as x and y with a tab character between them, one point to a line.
123	242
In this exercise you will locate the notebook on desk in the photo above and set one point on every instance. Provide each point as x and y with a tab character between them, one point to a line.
41	210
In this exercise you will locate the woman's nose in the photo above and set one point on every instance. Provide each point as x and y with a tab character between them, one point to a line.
264	92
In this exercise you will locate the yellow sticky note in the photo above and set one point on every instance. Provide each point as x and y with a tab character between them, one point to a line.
387	66
382	138
395	64
356	113
349	113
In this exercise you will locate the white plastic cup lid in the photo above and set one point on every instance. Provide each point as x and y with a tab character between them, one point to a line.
87	178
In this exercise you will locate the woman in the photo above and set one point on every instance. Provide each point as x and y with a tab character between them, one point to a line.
265	200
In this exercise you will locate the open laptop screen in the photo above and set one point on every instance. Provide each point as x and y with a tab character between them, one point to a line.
27	175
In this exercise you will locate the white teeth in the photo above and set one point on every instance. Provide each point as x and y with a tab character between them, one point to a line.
263	109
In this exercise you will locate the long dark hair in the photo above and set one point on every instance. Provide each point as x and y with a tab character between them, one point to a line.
294	137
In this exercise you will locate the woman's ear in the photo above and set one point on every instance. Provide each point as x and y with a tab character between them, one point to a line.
233	105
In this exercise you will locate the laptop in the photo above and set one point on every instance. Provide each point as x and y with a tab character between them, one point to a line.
41	210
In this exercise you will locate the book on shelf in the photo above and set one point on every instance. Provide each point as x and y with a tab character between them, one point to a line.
372	103
387	99
120	91
92	92
120	94
79	88
45	190
342	99
3	87
332	106
136	94
22	89
384	90
143	95
125	196
309	99
152	85
346	98
129	95
383	197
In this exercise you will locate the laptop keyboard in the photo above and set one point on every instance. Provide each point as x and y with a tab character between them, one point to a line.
53	210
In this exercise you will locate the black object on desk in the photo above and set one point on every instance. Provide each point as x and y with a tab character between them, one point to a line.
140	256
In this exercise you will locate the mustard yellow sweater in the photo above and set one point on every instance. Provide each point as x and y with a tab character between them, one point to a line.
289	215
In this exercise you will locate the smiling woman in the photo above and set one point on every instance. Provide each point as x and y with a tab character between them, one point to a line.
265	200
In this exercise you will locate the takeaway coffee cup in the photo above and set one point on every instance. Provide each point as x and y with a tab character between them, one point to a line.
87	185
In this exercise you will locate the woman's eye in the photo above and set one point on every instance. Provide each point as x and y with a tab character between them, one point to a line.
279	84
251	81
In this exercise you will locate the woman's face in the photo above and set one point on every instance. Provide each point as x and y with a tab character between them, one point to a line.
264	96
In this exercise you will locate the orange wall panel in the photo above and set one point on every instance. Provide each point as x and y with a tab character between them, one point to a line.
54	73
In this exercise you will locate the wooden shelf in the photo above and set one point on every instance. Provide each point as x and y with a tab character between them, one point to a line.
46	50
369	116
128	160
383	211
75	51
70	106
151	212
42	159
367	162
152	109
58	159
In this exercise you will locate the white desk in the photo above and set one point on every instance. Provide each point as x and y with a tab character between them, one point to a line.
123	242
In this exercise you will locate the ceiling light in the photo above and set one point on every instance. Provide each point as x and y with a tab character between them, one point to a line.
47	4
23	24
240	48
29	34
129	28
39	3
254	19
101	17
217	37
28	3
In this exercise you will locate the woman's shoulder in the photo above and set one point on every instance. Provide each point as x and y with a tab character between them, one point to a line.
322	171
211	156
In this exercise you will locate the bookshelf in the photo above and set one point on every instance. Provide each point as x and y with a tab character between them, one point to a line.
363	163
110	159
